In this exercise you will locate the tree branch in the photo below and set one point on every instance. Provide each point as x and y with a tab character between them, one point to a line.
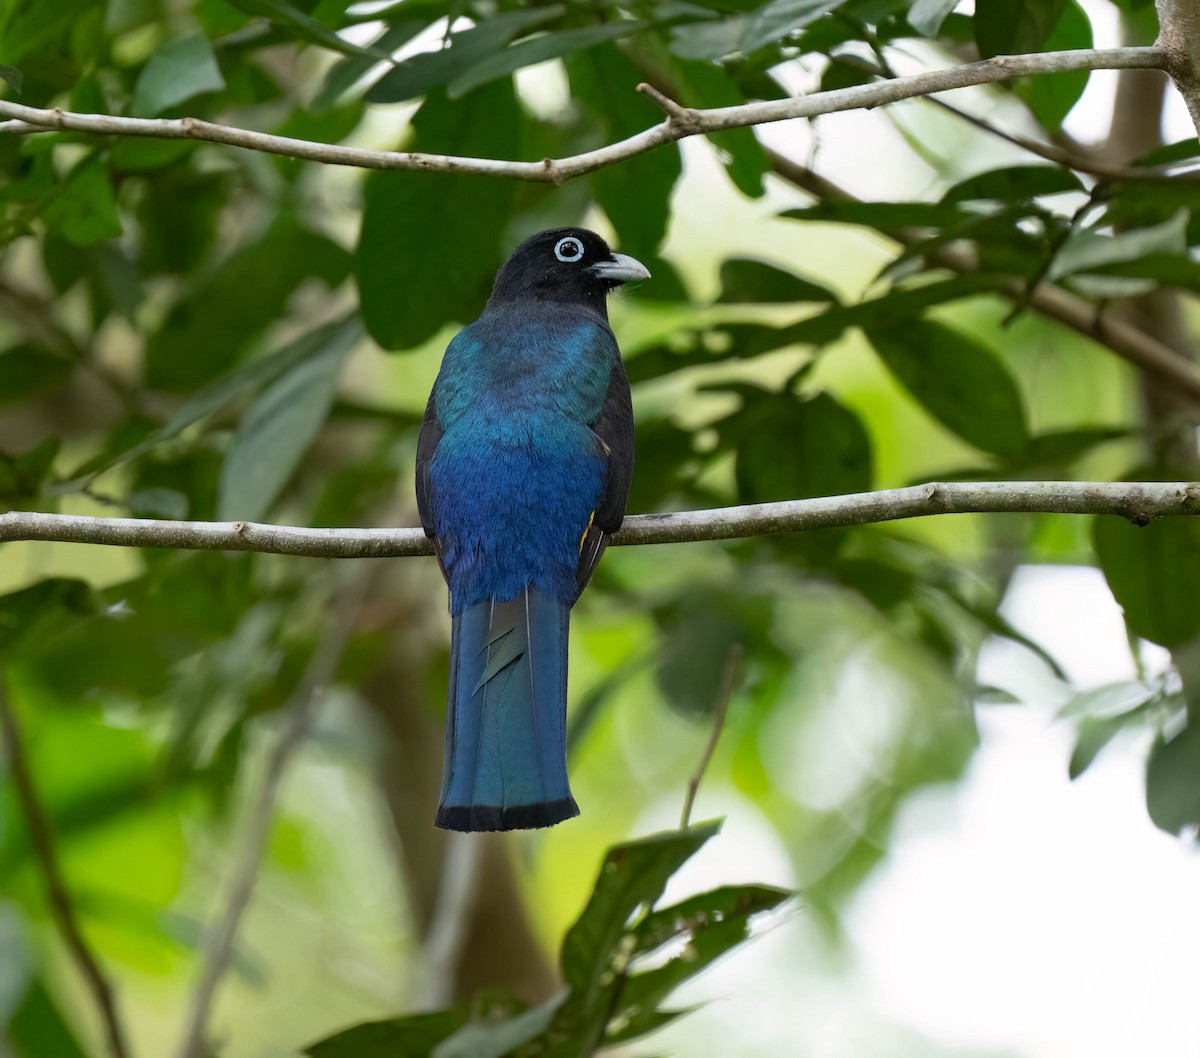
681	121
297	714
42	839
1139	501
1179	39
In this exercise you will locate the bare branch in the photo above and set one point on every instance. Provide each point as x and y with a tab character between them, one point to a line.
721	708
42	839
1179	39
681	121
1139	501
297	714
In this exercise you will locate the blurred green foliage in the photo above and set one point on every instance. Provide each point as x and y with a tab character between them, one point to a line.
182	335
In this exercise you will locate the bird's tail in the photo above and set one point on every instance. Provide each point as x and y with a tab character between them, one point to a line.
506	746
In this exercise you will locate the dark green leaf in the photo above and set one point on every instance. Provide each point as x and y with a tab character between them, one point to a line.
540	49
1154	574
21	476
411	1037
178	71
31	616
343	75
1173	781
1180	151
30	25
278	428
86	211
494	1039
886	217
1051	98
1091	737
747	281
959	381
779	19
419	269
299	24
1092	248
635	195
38	1028
791	449
420	73
707	85
1013	184
704	910
927	16
237	383
205	334
633	874
12	77
28	371
1013	27
1173	270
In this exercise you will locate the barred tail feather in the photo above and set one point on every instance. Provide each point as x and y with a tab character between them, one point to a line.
506	746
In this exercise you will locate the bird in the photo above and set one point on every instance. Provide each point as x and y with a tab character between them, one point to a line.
523	468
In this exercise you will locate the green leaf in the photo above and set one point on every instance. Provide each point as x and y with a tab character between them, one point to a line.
886	217
178	71
1090	248
34	23
747	281
302	25
1051	98
27	372
468	48
277	429
540	49
779	18
343	75
959	381
1153	572
206	333
1092	735
496	1039
38	1027
927	16
237	383
707	85
86	211
635	195
411	1037
33	615
633	874
12	77
419	269
791	449
1173	781
1013	183
1013	27
22	476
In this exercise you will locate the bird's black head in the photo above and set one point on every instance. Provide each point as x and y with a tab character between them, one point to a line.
571	265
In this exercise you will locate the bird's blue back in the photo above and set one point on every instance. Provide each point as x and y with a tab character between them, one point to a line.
518	471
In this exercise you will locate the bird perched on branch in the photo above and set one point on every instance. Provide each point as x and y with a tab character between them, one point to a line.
523	470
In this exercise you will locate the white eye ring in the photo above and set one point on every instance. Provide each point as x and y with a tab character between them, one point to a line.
568	250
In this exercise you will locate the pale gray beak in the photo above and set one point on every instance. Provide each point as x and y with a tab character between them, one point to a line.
621	268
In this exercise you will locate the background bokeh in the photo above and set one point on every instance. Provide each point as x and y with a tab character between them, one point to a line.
944	734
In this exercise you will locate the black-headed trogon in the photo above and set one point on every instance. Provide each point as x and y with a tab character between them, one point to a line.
523	470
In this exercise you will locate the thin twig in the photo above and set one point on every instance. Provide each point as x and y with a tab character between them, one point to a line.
297	715
719	712
1139	501
462	859
681	121
42	839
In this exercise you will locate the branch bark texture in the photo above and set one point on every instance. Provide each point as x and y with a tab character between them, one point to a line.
1139	501
1179	39
681	122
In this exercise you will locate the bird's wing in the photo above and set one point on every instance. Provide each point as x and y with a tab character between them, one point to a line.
614	428
427	442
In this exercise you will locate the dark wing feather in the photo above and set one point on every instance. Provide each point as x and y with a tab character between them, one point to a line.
614	428
427	442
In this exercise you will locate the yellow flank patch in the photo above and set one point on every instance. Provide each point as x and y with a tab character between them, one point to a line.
591	518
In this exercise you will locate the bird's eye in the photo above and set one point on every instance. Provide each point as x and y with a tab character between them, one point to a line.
568	250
